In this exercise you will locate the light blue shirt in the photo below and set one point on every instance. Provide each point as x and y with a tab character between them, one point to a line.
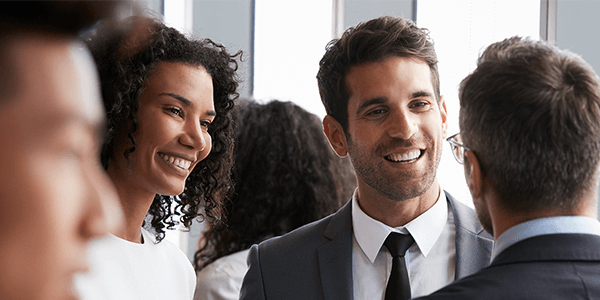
543	226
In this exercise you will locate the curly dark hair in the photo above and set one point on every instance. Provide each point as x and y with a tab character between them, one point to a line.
286	175
125	54
371	41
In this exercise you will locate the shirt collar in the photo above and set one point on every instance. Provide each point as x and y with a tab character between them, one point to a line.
370	234
543	226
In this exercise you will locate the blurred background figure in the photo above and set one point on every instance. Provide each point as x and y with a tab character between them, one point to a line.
285	175
168	152
54	194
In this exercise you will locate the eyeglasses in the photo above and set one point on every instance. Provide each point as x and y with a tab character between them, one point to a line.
458	149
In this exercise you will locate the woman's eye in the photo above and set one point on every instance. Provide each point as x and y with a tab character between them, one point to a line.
205	123
176	111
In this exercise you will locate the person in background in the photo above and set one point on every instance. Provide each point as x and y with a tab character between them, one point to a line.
286	175
401	235
54	194
530	145
168	150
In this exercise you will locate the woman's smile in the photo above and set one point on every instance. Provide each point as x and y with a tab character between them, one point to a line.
177	163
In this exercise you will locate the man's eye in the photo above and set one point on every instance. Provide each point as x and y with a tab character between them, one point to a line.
376	112
419	104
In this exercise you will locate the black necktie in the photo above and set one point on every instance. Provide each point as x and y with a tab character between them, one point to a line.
398	287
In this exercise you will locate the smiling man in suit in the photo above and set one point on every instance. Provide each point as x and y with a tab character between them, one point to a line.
380	87
530	143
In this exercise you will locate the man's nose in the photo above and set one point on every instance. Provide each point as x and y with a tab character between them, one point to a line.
103	212
402	124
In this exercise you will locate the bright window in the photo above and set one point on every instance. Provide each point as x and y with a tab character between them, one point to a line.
461	29
290	39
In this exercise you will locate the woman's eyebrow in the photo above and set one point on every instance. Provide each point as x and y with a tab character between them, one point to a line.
187	102
183	100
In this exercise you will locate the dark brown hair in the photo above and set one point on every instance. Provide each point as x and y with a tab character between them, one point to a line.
372	41
531	113
62	18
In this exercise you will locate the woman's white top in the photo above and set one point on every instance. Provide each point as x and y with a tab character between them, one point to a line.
222	279
120	269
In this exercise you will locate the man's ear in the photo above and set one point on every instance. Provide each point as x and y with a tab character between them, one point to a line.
335	134
444	115
473	175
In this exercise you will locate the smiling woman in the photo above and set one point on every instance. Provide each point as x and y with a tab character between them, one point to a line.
168	152
175	111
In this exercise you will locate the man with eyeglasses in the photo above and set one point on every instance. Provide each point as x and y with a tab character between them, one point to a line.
401	235
530	145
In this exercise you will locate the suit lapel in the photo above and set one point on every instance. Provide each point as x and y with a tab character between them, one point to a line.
473	244
335	257
473	249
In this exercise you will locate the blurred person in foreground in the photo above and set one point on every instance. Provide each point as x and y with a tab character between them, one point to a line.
401	235
168	152
286	175
530	145
55	196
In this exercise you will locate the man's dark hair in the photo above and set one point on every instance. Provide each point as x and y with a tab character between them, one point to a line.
286	175
372	41
125	57
22	18
531	113
60	17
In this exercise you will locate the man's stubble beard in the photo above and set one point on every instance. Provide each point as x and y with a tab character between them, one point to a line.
392	188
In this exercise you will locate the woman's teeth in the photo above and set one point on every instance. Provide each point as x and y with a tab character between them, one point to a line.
180	162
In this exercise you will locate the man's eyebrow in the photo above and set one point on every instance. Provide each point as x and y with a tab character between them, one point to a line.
63	120
183	100
369	102
421	94
98	126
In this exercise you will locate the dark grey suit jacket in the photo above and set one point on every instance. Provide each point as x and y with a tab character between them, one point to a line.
556	266
315	261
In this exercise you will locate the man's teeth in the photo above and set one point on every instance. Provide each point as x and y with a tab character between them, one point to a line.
180	162
414	154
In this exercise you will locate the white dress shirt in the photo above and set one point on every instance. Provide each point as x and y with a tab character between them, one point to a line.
430	261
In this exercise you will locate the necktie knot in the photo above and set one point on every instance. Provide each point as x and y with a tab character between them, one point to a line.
398	243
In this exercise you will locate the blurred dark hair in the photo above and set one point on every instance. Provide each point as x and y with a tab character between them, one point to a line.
126	54
286	175
371	41
62	18
531	113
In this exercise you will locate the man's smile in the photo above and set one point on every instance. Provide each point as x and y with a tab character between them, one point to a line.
405	157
